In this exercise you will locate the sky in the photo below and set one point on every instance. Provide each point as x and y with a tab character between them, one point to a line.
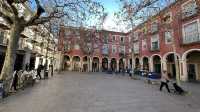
110	23
112	6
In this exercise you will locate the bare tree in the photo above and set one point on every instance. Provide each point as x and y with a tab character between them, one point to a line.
70	10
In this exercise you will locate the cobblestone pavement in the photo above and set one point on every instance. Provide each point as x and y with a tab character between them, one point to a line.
97	92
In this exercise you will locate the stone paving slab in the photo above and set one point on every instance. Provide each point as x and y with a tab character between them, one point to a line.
98	92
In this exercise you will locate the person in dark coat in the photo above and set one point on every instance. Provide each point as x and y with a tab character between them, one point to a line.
51	68
15	80
40	67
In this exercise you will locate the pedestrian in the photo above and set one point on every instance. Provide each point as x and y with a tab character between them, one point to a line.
51	69
39	71
164	81
15	80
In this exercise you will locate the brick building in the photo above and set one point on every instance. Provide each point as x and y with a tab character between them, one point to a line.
107	50
174	29
151	45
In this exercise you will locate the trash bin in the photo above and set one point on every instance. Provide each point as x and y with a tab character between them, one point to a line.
1	90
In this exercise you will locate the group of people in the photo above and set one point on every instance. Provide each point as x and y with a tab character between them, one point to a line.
35	73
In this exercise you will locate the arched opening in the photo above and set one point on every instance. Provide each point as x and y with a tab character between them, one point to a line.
157	64
76	63
95	64
66	62
171	68
137	63
85	64
104	64
145	63
193	65
113	64
121	65
130	63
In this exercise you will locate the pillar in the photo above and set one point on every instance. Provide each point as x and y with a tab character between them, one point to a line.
164	64
141	63
133	63
183	73
90	64
26	59
117	65
109	64
151	65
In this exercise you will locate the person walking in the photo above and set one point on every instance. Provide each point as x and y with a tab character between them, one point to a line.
39	71
164	81
15	80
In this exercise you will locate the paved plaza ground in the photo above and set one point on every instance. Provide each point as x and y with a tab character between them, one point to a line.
99	92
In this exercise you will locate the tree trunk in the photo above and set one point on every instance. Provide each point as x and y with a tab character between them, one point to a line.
9	61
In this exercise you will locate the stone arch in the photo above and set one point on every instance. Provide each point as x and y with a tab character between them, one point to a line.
85	64
137	63
145	63
168	53
121	64
104	64
76	62
191	64
67	62
156	63
95	64
113	64
169	63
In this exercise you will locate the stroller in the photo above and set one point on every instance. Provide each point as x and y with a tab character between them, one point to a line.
178	89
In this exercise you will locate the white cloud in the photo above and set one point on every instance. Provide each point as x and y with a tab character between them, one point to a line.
112	25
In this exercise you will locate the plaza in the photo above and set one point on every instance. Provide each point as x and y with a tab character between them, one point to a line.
99	92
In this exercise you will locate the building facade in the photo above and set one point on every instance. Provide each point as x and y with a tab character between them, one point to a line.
175	30
36	44
96	51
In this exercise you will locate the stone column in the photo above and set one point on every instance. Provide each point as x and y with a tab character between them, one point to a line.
133	63
27	58
100	64
81	64
117	65
90	65
109	63
151	65
183	69
164	64
141	63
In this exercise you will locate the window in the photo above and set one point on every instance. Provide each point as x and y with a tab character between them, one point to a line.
154	27
122	39
136	47
76	46
155	42
168	37
189	8
105	49
191	32
122	49
105	38
144	44
114	49
113	38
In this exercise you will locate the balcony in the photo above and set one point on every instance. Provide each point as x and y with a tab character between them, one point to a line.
189	14
192	39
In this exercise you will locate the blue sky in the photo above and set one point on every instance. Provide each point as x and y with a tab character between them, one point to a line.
112	6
